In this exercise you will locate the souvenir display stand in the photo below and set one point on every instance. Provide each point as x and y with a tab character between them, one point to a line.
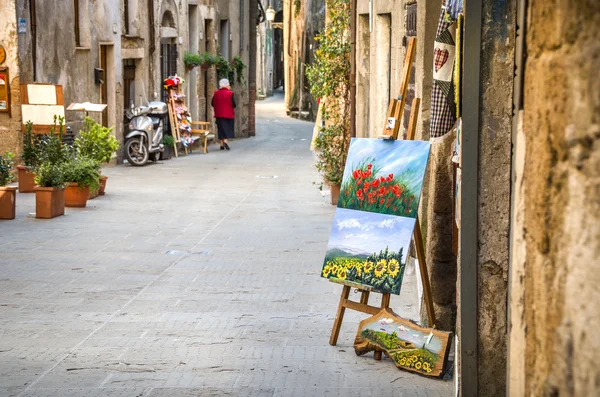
363	305
184	130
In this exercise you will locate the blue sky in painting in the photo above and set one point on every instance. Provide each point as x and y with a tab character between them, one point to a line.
363	232
407	158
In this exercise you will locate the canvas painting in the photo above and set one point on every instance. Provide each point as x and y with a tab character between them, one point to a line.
368	249
384	176
411	347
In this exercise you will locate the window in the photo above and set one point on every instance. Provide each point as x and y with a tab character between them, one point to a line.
82	23
77	34
126	16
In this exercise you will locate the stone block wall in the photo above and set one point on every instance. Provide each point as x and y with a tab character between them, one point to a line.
561	204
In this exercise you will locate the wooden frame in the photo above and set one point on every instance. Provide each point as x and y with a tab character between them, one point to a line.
203	131
27	101
6	86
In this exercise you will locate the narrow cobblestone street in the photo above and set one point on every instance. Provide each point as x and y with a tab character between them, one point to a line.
197	276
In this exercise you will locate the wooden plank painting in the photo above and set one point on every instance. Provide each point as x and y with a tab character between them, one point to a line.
409	346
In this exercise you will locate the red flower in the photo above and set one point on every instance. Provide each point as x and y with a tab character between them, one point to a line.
356	174
382	179
391	176
365	175
382	191
359	193
395	209
370	196
381	201
369	167
375	183
358	182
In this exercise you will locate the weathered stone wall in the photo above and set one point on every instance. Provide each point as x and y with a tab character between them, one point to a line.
561	211
10	125
495	139
302	22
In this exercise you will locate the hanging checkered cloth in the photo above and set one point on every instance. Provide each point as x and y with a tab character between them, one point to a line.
443	109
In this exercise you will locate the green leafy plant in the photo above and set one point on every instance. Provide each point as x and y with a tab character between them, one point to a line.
207	59
96	142
238	66
192	59
83	171
51	148
224	68
329	79
50	175
168	140
6	168
30	154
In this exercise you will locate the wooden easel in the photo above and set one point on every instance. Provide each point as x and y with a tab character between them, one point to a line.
396	107
363	306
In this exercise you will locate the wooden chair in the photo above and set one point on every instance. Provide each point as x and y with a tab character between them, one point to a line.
201	129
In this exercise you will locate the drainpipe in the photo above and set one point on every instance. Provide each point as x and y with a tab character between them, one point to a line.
32	17
469	200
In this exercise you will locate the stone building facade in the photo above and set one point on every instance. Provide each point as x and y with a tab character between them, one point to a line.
302	21
130	40
269	51
537	187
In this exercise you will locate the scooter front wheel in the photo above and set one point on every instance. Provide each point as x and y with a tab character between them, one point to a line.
135	152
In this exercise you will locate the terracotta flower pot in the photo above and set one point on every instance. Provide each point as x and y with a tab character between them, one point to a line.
75	196
49	202
26	182
8	198
102	185
335	194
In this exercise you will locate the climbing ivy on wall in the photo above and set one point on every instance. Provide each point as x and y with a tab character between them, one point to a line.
329	79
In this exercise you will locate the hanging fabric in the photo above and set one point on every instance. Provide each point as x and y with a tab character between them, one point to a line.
443	107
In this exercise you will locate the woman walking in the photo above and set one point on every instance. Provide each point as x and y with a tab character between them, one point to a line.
224	104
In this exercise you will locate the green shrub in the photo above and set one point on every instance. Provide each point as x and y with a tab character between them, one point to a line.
6	168
224	68
192	59
239	66
31	147
83	171
51	148
50	175
96	142
168	140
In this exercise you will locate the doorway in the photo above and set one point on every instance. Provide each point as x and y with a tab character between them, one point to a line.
168	61
103	85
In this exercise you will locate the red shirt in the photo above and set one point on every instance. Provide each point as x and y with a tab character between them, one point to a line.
223	103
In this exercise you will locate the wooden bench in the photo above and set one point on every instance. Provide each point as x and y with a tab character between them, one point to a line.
201	129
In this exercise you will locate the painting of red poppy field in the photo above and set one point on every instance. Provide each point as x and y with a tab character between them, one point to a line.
385	177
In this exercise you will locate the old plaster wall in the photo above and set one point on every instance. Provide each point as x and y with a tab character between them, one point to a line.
495	139
561	190
10	126
379	60
303	20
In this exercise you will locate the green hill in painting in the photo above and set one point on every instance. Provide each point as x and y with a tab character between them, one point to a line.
340	253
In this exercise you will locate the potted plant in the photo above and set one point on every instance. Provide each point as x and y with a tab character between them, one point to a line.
30	158
224	68
168	142
82	176
8	194
206	60
97	143
191	60
50	190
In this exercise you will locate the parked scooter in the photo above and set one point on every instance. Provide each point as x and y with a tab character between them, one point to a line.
146	124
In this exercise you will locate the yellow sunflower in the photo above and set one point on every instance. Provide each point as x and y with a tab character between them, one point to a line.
380	268
326	271
368	267
426	366
402	361
393	267
418	365
341	274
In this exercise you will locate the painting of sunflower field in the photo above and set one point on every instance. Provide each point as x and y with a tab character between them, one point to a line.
368	249
411	347
385	177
